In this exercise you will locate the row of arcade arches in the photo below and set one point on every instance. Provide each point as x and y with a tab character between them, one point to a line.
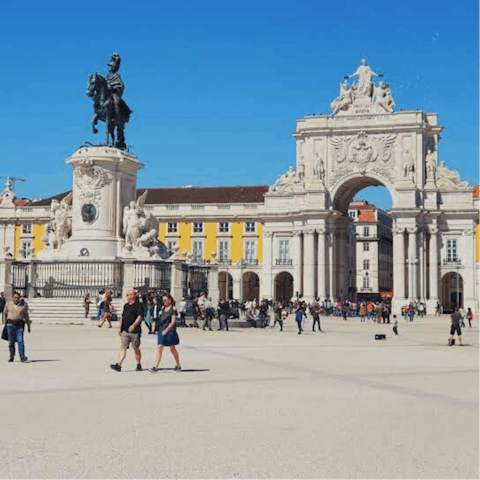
451	293
250	287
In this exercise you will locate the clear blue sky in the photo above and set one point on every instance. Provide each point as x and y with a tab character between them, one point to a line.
216	87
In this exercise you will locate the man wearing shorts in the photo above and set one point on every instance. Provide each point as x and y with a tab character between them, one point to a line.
130	331
455	328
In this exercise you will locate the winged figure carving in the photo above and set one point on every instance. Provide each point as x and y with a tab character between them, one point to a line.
340	148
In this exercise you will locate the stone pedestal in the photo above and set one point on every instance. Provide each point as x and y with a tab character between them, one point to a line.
104	182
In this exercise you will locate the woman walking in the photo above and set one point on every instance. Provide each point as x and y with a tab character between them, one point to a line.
167	332
469	317
107	308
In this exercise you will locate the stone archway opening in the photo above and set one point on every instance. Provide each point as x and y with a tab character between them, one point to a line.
452	292
225	285
284	287
362	263
250	287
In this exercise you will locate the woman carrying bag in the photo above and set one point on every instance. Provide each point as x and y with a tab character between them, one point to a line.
166	326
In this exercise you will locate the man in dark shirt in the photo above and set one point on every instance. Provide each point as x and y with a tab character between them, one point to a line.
130	331
455	328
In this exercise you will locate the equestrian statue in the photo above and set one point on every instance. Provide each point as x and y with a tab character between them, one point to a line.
109	106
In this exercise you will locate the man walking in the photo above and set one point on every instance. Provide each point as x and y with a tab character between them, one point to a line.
130	331
455	328
15	315
223	313
315	311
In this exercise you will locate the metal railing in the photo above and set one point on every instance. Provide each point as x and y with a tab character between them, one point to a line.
447	262
20	277
284	261
73	279
156	276
194	280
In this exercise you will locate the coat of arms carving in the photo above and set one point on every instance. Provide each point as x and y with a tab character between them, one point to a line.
361	153
90	179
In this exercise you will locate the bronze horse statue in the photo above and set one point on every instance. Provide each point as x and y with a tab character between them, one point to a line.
104	110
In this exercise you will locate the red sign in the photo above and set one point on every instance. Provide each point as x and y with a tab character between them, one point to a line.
388	294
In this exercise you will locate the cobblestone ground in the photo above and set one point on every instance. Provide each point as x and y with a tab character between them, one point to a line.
249	403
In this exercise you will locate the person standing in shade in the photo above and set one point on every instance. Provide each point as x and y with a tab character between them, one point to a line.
15	315
167	333
130	331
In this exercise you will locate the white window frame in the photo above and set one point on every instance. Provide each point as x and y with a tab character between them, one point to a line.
452	250
366	246
223	250
197	250
284	250
197	227
250	251
172	227
223	227
27	228
250	227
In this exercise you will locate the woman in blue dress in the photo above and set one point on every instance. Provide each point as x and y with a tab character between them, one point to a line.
166	326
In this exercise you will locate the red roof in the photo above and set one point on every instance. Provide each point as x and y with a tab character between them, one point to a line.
197	195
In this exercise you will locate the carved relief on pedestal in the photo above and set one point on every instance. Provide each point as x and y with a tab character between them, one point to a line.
90	179
362	153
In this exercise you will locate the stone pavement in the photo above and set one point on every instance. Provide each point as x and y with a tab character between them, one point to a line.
249	403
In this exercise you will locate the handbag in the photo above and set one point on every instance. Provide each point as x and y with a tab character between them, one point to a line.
5	333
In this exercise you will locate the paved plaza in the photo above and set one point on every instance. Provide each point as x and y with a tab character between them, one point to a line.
250	403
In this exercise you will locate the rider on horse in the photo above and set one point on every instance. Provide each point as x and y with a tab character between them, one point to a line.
116	88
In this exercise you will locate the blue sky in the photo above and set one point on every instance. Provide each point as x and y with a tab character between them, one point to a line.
216	88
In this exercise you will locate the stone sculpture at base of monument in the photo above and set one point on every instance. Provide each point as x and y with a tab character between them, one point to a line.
141	231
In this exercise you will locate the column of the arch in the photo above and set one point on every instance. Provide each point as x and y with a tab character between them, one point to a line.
267	287
321	266
422	266
433	260
469	276
331	263
297	261
399	263
341	265
309	264
412	263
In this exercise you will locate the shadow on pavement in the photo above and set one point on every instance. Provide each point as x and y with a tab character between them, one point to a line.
37	361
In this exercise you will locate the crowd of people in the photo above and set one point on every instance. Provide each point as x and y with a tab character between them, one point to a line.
161	316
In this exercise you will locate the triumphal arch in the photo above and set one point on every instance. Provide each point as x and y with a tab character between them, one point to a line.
365	142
